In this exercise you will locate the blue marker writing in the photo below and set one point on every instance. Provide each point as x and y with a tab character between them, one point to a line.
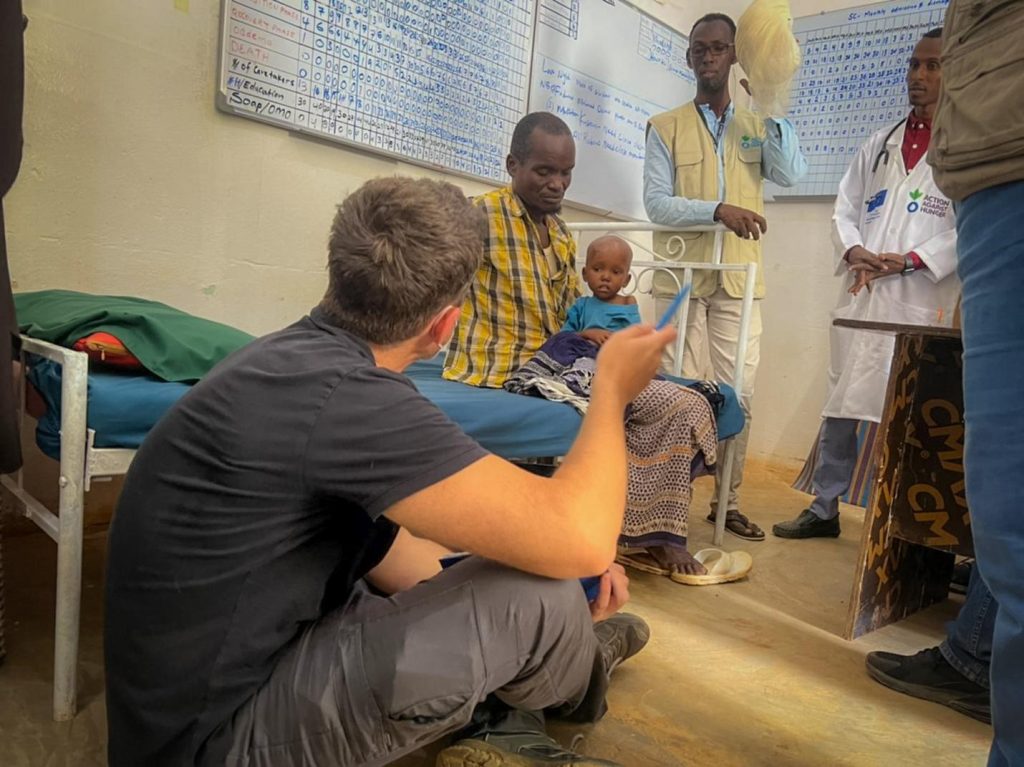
666	318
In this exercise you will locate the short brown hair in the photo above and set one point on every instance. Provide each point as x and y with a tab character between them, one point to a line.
400	250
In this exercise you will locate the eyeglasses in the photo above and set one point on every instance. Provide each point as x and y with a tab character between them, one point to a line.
715	49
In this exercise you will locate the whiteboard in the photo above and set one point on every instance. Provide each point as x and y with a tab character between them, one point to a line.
439	82
852	83
605	68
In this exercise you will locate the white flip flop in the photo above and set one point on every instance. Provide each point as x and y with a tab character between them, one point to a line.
722	567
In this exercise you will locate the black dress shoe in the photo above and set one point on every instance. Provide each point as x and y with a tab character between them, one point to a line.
928	675
808	525
961	576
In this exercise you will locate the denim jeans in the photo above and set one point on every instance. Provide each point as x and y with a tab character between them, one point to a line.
968	645
991	251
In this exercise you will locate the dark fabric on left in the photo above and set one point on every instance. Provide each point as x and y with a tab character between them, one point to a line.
12	95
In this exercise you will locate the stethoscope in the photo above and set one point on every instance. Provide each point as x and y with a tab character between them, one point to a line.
883	155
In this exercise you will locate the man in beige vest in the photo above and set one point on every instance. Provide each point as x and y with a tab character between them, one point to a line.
705	163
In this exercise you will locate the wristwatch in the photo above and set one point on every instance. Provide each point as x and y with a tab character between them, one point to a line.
908	265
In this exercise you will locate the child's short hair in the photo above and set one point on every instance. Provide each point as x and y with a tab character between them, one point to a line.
400	250
607	239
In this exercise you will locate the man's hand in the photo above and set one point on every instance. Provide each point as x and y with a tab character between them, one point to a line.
745	223
612	595
596	335
869	268
629	359
864	276
861	256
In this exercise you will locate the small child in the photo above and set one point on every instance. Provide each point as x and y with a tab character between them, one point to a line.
596	317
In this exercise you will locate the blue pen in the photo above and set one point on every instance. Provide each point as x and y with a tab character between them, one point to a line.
673	308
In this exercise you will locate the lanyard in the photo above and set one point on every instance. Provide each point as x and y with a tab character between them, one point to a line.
717	135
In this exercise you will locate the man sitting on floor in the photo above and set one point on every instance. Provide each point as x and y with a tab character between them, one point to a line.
305	477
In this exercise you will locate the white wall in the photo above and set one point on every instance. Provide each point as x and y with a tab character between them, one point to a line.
133	183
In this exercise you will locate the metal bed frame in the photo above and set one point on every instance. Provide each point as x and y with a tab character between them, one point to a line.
81	461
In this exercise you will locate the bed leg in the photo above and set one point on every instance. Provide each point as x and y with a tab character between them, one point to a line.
69	538
69	599
723	491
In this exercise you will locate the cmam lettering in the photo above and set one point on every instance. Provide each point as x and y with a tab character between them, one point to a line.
259	106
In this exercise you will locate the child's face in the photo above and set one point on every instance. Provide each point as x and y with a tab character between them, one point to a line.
607	271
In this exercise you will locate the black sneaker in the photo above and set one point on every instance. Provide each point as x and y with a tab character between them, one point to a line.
514	749
808	525
928	675
621	637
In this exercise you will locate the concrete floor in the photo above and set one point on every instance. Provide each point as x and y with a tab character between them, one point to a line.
752	673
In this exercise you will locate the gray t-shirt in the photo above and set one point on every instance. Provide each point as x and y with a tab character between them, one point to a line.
250	510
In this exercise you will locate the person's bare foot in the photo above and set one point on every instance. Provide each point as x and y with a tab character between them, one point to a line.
676	559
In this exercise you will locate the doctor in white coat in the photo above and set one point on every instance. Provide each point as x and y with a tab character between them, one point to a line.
896	246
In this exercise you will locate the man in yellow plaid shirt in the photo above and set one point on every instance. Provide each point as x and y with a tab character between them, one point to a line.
527	280
520	298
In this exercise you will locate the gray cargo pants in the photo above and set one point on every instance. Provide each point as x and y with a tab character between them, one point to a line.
383	676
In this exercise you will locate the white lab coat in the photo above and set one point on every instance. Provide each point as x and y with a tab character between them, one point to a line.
912	215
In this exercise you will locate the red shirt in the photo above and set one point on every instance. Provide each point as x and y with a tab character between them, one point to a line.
915	144
915	140
916	136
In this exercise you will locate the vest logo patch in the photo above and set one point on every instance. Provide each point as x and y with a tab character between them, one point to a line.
750	142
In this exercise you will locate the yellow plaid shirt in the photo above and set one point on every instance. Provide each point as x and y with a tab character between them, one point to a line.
516	301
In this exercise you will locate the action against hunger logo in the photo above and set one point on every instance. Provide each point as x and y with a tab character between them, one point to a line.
914	205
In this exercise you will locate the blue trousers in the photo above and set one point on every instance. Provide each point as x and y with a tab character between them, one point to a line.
991	253
837	459
968	644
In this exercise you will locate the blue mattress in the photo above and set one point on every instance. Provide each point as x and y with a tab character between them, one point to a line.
124	407
509	425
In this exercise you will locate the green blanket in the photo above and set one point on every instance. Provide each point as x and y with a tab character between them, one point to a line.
171	344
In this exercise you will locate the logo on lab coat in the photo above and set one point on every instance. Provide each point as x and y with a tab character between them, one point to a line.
935	206
875	204
749	142
877	201
914	205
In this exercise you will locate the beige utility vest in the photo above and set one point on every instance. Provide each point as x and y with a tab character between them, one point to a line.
696	177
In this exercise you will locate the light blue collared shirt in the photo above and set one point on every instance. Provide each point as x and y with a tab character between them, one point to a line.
782	163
